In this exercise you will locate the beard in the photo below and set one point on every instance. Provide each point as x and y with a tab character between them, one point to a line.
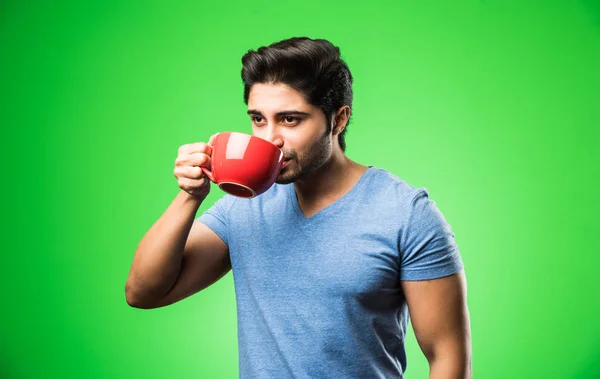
303	165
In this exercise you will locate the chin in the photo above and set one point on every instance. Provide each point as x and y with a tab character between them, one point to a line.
286	177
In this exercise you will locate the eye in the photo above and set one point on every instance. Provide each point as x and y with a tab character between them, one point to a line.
256	119
291	120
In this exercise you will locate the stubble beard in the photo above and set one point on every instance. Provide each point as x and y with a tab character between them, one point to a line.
307	163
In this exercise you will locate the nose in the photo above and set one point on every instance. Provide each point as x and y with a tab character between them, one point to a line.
272	135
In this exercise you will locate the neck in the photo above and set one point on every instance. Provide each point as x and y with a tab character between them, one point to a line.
330	181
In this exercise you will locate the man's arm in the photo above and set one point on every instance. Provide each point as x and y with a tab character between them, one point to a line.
440	319
176	258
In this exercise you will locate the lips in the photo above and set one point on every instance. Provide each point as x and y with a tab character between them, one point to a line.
285	162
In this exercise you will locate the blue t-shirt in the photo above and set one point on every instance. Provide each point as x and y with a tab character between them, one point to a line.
319	297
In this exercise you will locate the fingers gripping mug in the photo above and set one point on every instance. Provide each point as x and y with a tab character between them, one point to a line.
243	165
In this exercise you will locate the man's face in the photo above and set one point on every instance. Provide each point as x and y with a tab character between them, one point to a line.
281	116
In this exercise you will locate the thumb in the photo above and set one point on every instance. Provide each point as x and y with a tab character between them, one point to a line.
212	138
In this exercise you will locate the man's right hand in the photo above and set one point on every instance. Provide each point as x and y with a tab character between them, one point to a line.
179	256
190	159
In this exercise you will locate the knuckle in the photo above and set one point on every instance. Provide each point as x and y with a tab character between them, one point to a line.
203	159
194	172
198	159
191	161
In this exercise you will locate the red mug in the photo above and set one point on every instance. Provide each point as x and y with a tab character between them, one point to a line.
243	165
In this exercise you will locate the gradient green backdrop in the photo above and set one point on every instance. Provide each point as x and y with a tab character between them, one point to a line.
491	105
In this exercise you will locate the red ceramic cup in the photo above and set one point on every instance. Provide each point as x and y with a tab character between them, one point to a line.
243	165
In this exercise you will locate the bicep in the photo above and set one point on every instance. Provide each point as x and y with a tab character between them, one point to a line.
205	260
439	314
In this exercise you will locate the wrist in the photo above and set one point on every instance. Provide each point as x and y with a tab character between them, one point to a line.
187	199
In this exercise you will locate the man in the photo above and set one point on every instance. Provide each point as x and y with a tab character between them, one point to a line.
328	262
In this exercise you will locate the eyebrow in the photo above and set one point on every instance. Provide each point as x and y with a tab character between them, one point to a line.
283	113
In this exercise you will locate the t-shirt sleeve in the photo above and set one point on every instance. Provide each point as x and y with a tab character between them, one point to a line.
217	219
427	246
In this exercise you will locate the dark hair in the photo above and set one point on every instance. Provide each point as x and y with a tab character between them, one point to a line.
311	66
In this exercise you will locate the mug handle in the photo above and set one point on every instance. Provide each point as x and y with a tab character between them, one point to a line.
209	174
206	171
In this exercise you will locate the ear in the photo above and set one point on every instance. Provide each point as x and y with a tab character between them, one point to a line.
340	120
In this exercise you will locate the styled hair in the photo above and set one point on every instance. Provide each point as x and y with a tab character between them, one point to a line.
311	66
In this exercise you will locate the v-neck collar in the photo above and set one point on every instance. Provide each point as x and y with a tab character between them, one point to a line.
293	198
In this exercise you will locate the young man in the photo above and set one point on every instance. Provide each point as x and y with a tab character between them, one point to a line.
329	261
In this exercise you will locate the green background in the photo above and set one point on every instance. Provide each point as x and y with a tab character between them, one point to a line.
493	106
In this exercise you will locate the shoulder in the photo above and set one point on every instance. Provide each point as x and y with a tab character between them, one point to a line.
387	187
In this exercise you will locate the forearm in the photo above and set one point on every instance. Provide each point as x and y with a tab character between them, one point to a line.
158	257
450	357
450	367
